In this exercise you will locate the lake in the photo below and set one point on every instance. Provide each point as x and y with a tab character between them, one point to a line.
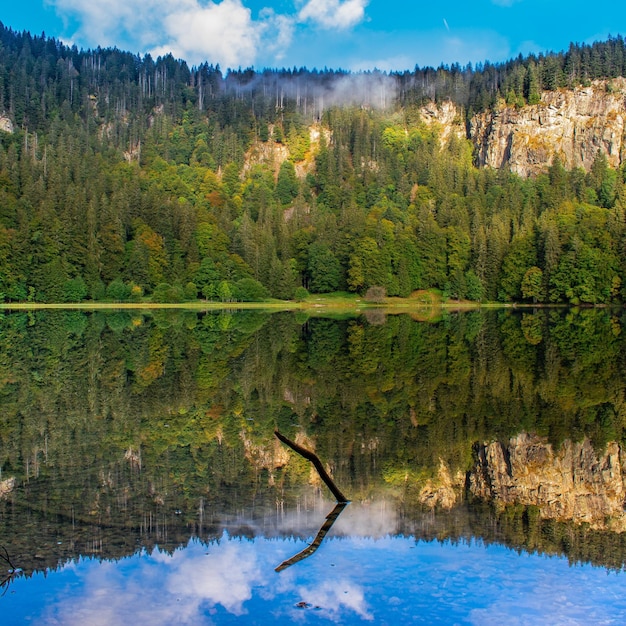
141	479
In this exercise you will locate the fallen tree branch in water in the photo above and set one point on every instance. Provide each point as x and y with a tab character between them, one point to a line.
331	518
12	572
311	456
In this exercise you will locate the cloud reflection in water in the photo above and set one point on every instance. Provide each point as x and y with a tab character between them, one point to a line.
371	578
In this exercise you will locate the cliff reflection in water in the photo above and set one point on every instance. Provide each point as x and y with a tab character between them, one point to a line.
123	431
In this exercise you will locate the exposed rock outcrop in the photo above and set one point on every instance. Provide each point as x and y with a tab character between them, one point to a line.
447	117
6	486
445	491
268	153
572	483
272	153
267	456
6	124
573	124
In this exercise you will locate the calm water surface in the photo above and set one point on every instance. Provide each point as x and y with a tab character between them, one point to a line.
141	480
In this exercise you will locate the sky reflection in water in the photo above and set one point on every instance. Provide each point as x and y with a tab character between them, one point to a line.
350	579
94	493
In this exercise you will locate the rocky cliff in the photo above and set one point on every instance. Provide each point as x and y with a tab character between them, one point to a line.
572	483
272	153
573	124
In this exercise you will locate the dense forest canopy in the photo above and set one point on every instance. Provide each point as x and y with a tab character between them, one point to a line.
124	177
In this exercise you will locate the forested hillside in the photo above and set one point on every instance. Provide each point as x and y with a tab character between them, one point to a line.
124	177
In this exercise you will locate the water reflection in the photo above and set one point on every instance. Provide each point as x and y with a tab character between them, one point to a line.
329	521
350	580
133	444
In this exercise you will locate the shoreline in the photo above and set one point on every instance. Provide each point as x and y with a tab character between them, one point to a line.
357	305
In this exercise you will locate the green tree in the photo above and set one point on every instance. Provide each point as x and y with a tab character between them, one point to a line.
521	255
117	291
474	287
206	278
532	286
250	290
74	290
287	184
224	291
324	269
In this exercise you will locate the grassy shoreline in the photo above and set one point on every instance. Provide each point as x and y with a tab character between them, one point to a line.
337	302
311	305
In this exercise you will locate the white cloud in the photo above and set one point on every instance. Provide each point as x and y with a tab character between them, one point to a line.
333	13
336	598
217	31
227	578
163	589
278	33
103	23
223	33
352	578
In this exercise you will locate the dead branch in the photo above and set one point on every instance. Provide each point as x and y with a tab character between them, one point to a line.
331	518
311	456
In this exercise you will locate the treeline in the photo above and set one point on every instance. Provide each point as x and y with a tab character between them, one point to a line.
519	81
40	77
123	178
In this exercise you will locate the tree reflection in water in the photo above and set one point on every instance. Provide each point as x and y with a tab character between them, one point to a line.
123	432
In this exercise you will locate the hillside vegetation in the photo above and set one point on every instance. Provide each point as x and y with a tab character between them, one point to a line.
123	178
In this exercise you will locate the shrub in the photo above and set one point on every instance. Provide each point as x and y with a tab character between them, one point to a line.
250	290
376	294
301	294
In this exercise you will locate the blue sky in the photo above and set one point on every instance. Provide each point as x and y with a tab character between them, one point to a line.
348	34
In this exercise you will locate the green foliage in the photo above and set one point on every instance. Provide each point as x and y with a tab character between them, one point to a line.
74	290
521	256
473	287
110	179
225	291
117	291
287	183
301	294
323	268
250	290
298	142
190	291
532	285
165	292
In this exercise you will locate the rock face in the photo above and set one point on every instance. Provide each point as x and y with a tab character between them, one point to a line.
267	153
272	154
445	491
447	117
573	483
6	487
6	124
573	124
